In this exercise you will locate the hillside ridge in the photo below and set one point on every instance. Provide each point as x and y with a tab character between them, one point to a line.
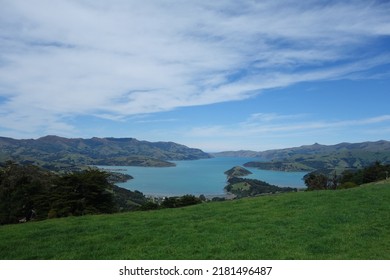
55	152
307	149
340	157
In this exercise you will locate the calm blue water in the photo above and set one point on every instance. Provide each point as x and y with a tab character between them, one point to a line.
205	176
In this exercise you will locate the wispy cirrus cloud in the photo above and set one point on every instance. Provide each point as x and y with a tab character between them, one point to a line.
115	59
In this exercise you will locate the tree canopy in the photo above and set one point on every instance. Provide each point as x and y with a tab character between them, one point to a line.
27	191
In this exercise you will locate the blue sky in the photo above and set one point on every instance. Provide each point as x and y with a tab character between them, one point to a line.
217	75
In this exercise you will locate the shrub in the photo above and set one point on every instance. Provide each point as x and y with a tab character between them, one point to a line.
347	185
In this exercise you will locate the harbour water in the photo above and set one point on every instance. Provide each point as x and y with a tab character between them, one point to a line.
205	176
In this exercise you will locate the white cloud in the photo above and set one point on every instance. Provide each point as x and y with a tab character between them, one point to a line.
119	58
256	118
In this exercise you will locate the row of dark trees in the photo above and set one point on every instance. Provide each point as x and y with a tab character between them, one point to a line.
327	180
173	202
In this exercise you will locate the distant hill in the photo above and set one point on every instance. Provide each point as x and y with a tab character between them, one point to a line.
317	156
56	152
241	153
365	149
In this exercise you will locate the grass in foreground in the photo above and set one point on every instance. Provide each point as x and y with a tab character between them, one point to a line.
344	224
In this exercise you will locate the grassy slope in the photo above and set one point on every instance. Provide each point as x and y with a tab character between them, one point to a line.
344	224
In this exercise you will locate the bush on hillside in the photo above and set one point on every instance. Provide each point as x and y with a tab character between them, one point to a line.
347	185
176	202
348	179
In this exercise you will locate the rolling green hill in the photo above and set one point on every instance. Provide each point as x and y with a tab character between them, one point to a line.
342	224
364	149
53	152
322	157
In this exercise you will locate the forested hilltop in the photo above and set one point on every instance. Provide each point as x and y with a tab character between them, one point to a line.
59	153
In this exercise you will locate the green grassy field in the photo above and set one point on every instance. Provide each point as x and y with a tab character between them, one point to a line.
343	224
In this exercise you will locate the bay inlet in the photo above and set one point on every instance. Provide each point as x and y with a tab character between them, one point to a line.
204	176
